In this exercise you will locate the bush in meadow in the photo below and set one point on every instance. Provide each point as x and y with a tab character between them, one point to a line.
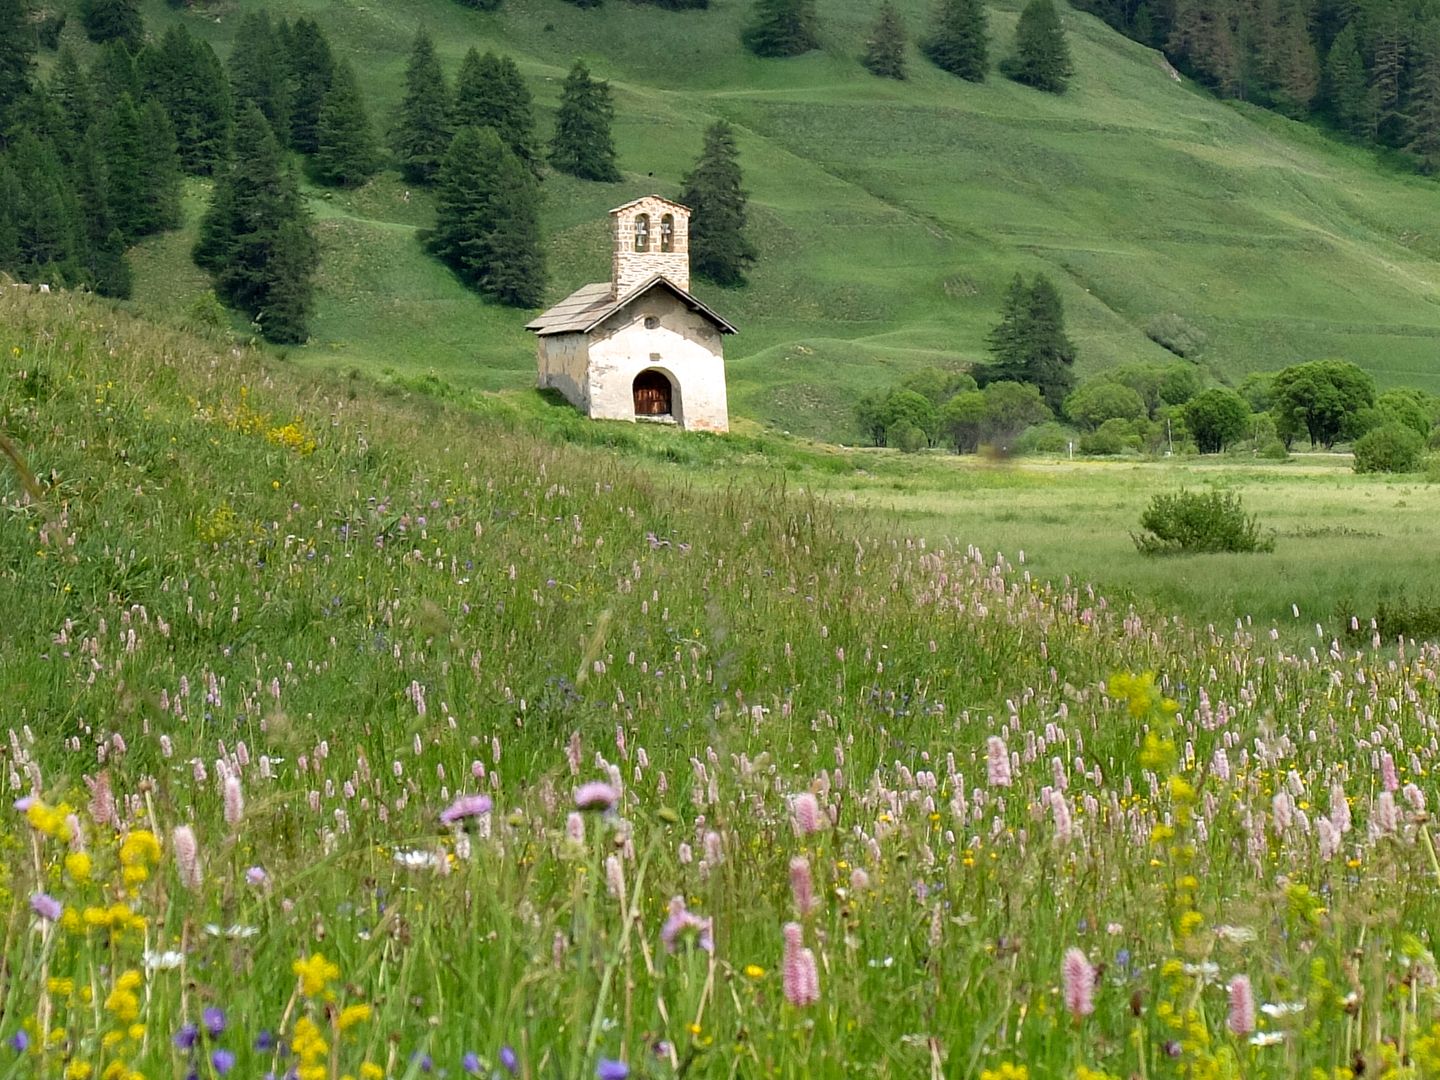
1393	448
1192	522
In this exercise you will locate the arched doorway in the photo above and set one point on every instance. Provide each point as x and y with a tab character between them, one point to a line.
653	394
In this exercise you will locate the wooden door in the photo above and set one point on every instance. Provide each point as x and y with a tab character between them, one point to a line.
652	394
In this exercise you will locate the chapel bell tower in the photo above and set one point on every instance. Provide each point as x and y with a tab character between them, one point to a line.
652	238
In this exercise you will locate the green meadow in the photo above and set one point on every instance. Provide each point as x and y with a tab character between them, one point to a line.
889	217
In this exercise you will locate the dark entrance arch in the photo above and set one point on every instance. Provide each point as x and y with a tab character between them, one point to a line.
653	394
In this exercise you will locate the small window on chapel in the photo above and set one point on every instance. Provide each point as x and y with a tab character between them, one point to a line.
667	233
651	322
642	232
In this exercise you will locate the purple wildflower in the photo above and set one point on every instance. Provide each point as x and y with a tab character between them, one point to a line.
466	806
186	1037
610	1069
20	1042
256	876
596	795
682	924
510	1061
471	1063
222	1061
264	1042
46	906
214	1021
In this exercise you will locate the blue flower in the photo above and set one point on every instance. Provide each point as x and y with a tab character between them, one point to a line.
471	1063
186	1037
609	1069
510	1061
20	1042
264	1042
222	1061
214	1021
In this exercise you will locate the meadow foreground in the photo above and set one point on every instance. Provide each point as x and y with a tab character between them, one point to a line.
355	736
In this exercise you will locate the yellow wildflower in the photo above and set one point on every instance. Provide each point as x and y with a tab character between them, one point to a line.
352	1015
78	1070
315	974
754	971
370	1071
78	866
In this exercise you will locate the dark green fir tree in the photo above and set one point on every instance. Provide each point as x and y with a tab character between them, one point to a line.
114	73
959	39
345	150
125	166
183	73
582	145
885	47
260	74
421	132
1346	91
311	69
255	238
487	221
490	92
107	266
1042	55
160	160
780	28
1423	118
113	20
69	89
719	249
48	229
1029	344
17	62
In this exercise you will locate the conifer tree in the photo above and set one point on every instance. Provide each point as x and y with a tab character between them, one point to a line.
421	133
259	73
107	266
345	151
255	238
49	240
183	73
490	92
10	196
486	219
69	89
1345	88
885	47
1423	143
780	28
311	70
113	20
113	74
1029	344
1042	56
719	249
959	39
1293	65
582	145
17	59
1387	77
125	166
160	161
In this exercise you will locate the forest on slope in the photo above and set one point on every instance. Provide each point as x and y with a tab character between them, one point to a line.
889	216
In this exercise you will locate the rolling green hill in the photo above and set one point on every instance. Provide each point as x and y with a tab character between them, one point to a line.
889	216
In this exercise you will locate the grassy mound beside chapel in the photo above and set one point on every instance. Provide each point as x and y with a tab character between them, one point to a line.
889	216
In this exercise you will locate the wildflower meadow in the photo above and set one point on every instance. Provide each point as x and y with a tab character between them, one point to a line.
349	735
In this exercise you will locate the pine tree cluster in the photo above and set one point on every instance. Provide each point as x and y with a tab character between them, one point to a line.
1029	345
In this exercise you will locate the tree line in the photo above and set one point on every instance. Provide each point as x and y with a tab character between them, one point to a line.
1367	68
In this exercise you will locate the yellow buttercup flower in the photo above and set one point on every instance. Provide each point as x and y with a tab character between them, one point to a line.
78	866
140	848
370	1071
352	1015
315	974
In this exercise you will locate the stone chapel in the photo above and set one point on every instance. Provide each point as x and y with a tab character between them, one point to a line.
639	346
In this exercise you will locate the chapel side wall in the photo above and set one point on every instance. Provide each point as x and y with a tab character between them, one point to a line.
686	346
563	361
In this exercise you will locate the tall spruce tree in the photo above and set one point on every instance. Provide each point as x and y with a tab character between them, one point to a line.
113	73
487	220
311	69
582	145
719	249
10	196
780	28
1346	91
421	133
1423	118
885	47
160	160
183	73
959	40
69	89
49	236
1042	56
490	92
17	61
1388	66
125	167
107	266
260	74
255	238
345	150
1029	344
113	20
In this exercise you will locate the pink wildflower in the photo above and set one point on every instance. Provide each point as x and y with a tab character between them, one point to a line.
466	807
800	975
997	762
802	886
805	814
1242	1006
575	827
1078	979
234	801
187	857
1388	776
681	924
596	795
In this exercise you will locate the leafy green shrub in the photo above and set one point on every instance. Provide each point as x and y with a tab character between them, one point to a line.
907	438
1418	619
1274	450
1193	521
1392	447
1111	437
1050	437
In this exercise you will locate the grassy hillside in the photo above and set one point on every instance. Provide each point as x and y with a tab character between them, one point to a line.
890	216
853	806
